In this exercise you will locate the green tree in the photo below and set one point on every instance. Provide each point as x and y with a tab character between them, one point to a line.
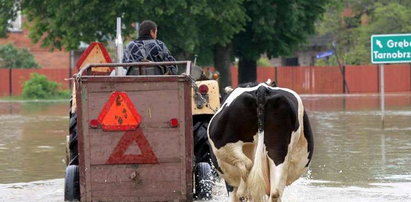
8	11
388	18
12	57
187	27
222	20
182	23
352	33
276	27
210	28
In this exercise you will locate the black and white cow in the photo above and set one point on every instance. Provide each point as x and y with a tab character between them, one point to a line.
261	141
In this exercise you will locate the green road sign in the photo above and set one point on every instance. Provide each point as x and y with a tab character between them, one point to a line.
391	48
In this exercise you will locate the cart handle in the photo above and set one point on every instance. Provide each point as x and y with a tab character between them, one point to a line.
188	65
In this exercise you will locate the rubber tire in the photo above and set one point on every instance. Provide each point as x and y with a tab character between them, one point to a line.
72	184
201	146
73	143
203	181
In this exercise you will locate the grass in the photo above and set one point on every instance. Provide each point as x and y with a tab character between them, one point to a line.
21	98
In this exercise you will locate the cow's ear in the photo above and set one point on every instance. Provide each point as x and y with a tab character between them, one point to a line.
271	83
228	89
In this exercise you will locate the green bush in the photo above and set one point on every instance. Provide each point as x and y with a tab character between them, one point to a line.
12	57
39	87
263	62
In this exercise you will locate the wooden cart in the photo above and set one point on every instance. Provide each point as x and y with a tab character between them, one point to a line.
134	136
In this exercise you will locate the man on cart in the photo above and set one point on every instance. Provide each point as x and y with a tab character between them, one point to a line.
148	48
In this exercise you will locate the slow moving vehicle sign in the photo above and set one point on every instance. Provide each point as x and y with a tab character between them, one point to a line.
391	48
120	114
120	155
95	53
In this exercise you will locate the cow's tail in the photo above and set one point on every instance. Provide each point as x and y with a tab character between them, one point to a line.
256	183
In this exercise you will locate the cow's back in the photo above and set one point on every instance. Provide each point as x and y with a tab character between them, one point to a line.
271	117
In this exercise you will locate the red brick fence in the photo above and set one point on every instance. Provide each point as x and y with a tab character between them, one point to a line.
304	80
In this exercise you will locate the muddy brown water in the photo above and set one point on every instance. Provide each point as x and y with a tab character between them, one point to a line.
356	158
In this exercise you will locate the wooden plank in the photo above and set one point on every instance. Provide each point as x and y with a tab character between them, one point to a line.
185	95
102	144
111	86
153	106
146	172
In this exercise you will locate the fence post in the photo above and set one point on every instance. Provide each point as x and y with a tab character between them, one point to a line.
311	80
343	74
10	82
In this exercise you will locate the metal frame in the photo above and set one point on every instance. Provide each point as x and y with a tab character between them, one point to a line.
138	64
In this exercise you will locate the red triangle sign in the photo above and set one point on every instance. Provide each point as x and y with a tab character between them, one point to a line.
119	113
118	155
95	53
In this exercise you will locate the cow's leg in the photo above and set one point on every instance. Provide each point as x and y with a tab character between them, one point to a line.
302	152
298	160
233	195
278	178
235	166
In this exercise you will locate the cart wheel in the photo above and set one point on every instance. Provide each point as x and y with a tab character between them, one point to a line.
73	137
203	181
67	150
72	184
201	146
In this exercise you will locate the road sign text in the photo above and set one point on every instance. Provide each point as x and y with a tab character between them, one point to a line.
391	48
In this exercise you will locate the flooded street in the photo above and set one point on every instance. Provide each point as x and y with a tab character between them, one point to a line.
32	140
356	158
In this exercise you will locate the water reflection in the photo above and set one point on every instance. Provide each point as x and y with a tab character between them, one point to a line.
351	146
32	140
355	158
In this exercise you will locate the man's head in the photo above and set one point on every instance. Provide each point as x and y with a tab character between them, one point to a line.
148	28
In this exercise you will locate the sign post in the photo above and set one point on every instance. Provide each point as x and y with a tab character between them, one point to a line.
382	93
389	48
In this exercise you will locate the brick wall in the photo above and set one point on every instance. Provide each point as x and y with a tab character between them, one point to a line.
47	59
4	82
19	76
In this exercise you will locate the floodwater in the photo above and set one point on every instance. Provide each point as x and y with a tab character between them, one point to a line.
356	158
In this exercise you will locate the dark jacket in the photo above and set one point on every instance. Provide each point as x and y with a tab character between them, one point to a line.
146	48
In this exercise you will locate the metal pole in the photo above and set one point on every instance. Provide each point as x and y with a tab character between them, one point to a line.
119	43
382	96
71	68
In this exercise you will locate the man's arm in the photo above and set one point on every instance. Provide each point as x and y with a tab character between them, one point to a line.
166	55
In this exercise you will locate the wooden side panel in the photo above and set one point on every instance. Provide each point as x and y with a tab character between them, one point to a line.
157	102
145	182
